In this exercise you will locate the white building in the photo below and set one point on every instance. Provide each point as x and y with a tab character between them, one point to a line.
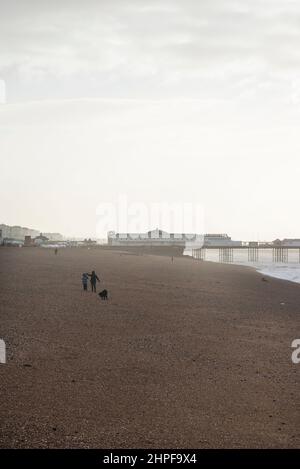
17	232
54	236
162	238
41	239
153	238
294	243
220	240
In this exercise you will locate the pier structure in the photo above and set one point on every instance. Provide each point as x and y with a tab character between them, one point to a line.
199	254
226	254
253	254
279	254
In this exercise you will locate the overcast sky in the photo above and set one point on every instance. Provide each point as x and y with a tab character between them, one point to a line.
159	101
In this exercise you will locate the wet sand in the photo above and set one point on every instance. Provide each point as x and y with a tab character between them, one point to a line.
184	354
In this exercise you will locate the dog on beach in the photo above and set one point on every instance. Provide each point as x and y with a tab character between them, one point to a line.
103	295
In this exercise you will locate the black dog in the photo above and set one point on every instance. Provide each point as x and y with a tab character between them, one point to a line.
103	295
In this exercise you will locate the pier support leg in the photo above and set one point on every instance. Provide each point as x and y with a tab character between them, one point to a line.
202	254
199	254
280	255
226	255
253	254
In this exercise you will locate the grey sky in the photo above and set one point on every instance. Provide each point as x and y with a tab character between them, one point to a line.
182	100
149	48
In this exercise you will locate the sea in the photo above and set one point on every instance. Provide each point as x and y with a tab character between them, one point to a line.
289	270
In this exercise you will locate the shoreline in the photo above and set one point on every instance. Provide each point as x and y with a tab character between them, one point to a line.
271	270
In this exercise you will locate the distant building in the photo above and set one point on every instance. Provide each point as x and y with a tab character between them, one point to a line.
89	242
151	238
17	232
220	240
41	239
253	244
12	242
28	241
287	242
162	238
54	236
295	243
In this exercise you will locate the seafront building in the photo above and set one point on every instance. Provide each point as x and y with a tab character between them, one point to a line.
220	240
41	239
159	237
291	242
154	237
17	232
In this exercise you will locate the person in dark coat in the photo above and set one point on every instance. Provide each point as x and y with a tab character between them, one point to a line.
94	279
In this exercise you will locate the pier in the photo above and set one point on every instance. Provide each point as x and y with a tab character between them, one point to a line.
279	254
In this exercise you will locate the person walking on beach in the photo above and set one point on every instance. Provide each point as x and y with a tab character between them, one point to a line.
84	280
94	279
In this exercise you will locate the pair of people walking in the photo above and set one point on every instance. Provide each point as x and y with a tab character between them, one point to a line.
93	279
